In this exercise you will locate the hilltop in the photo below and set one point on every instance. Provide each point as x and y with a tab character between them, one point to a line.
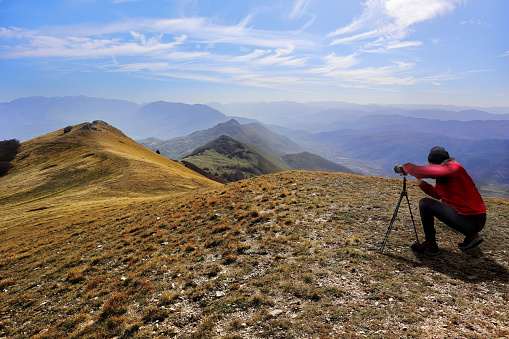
233	160
90	163
292	254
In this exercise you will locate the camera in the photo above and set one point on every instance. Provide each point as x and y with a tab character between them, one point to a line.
399	169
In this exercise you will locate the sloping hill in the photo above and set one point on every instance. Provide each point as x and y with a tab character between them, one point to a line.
91	162
292	254
254	134
233	160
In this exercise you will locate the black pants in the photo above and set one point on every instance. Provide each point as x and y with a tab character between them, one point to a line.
468	225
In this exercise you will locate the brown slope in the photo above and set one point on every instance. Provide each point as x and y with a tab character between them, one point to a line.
94	161
292	254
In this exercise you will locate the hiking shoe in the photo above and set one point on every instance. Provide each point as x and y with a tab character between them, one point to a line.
470	242
425	248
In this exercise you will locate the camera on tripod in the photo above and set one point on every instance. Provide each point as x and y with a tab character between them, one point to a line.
399	169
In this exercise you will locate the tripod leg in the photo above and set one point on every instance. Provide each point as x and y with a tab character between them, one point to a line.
412	216
392	222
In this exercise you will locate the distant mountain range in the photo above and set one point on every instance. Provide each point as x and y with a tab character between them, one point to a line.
28	118
366	138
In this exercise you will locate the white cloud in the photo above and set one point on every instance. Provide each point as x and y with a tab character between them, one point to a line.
199	49
388	22
282	57
298	9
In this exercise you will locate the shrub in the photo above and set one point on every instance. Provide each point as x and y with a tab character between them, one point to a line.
5	166
8	151
67	129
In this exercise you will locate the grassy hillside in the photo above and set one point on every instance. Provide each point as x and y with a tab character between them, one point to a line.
287	255
233	160
90	163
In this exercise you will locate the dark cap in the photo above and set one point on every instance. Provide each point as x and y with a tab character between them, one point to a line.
437	155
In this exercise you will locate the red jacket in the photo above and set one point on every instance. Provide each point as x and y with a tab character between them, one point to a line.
453	186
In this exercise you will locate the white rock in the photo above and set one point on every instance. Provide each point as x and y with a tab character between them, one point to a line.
275	313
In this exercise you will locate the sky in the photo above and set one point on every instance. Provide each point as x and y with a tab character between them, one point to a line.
453	52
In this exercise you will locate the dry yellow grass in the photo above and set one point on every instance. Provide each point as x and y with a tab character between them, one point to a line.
289	255
93	165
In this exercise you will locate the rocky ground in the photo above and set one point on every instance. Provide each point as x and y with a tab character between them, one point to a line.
289	255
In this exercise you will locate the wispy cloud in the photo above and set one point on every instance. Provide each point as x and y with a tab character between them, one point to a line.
299	9
385	23
198	48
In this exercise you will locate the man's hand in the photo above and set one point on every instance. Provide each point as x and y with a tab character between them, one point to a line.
419	180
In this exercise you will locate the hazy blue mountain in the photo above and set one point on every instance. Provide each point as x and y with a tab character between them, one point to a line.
486	160
267	112
163	119
478	129
28	118
328	116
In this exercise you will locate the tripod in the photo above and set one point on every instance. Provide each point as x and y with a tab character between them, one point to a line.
403	194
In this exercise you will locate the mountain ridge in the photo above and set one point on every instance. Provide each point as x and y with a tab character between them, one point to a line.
254	134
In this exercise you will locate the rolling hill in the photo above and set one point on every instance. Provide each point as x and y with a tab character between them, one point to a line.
254	134
233	160
92	162
102	238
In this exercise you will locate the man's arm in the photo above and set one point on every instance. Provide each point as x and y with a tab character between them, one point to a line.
428	189
428	171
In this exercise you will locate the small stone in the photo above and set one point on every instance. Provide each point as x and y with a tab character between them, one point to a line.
220	294
275	313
